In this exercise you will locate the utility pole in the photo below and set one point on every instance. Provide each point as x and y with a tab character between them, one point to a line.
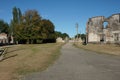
77	30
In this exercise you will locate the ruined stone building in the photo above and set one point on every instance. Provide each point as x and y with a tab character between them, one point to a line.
3	38
101	29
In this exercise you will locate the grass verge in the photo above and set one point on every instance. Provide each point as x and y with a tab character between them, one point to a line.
100	48
24	59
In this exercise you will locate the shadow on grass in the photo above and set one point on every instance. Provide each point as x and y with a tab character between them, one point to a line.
8	57
14	51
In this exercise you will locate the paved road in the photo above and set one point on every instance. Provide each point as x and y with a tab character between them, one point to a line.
77	64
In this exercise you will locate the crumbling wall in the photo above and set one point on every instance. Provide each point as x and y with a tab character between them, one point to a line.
97	32
3	38
95	28
114	22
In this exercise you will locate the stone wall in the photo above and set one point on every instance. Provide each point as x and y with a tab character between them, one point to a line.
3	38
95	28
98	32
59	39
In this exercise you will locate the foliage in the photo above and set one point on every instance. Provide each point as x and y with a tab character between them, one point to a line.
16	23
83	36
4	27
62	35
47	30
78	36
31	28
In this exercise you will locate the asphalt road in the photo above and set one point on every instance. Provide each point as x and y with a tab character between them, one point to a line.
78	64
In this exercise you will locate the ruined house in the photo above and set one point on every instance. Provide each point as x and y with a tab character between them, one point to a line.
101	29
3	38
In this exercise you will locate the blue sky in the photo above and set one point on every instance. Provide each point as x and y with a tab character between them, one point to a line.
63	13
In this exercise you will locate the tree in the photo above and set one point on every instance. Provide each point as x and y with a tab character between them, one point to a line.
31	25
19	16
4	27
31	28
15	15
47	31
83	36
15	23
58	34
78	35
62	35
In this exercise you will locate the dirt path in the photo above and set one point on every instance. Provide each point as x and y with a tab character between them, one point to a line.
76	64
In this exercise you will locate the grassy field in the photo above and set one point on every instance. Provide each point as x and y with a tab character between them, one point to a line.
101	48
24	59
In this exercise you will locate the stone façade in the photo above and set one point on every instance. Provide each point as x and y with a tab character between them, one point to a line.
98	32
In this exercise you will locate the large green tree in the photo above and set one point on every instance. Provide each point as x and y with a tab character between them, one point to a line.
47	31
31	28
16	23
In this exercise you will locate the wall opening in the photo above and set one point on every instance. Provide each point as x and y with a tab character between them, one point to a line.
105	24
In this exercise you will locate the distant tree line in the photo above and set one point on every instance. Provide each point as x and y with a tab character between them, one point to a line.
30	28
62	35
82	36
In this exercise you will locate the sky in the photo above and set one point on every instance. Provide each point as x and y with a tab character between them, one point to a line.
63	13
